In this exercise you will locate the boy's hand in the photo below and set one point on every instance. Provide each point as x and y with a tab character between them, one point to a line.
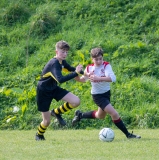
79	68
94	78
80	79
91	73
77	78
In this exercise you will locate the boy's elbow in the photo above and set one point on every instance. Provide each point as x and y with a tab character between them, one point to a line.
113	79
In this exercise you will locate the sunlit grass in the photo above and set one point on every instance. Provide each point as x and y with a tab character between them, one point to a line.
78	144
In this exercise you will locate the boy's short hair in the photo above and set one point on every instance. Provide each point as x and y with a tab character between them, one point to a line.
96	52
62	45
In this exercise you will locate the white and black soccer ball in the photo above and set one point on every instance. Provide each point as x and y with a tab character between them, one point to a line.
106	135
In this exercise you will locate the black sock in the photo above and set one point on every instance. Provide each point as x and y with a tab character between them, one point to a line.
119	123
90	115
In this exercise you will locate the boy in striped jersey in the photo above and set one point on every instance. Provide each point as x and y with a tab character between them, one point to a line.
100	74
48	89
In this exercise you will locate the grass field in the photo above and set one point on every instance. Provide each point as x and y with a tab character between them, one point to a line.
78	145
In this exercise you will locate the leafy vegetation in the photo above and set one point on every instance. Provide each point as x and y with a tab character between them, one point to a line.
126	30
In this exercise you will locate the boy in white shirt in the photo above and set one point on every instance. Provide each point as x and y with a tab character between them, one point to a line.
100	74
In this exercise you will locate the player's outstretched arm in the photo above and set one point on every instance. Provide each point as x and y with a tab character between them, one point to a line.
82	78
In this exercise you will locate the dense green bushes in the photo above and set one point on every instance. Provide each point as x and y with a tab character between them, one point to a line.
15	13
126	30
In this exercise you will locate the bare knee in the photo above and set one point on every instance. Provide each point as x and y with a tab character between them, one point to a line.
76	102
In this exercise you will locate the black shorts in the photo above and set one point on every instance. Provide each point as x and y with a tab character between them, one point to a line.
102	100
44	97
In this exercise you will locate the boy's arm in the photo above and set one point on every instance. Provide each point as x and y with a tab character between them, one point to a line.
57	75
67	67
83	78
110	74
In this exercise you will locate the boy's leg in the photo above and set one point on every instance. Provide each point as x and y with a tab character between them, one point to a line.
100	114
71	101
116	119
43	126
99	99
43	103
118	122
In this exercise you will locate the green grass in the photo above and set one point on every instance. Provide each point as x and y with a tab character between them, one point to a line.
78	145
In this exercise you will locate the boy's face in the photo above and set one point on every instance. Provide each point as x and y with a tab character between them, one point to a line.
98	60
61	54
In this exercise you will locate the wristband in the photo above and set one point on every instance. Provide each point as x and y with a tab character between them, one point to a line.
81	72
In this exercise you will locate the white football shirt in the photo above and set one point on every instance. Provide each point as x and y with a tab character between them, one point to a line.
104	70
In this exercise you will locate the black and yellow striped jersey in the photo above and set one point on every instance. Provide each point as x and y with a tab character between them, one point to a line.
52	74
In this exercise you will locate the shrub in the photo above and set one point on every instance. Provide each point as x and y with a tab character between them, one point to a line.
126	30
3	39
15	13
44	23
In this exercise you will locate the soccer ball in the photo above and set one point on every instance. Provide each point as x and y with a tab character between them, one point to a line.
106	135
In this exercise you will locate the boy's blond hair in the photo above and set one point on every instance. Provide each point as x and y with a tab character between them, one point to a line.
62	45
96	52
